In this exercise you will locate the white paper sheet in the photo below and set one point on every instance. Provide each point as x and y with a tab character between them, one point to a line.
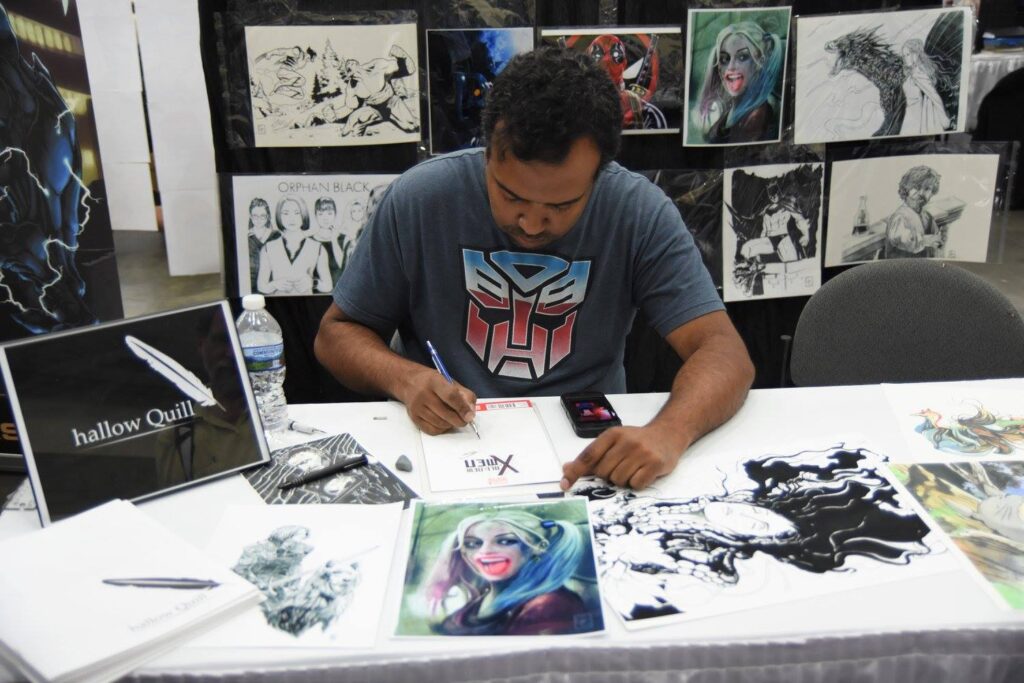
323	569
317	86
335	228
513	449
958	421
771	231
53	592
887	74
121	126
865	205
756	530
130	196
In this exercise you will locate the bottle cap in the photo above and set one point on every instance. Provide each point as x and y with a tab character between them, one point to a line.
253	302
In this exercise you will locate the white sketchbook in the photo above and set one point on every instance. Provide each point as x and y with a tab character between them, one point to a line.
96	595
322	568
513	449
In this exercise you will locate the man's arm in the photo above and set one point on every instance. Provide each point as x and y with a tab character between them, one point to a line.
358	357
707	391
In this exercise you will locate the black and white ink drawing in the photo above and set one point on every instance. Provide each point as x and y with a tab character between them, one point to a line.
323	570
698	196
294	234
891	74
922	206
315	86
771	529
297	598
771	231
371	484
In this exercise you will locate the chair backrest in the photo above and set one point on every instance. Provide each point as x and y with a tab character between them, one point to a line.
906	320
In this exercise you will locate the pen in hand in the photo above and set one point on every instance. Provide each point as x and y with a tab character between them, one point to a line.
308	477
436	359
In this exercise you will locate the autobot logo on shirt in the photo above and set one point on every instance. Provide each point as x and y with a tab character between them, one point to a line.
522	309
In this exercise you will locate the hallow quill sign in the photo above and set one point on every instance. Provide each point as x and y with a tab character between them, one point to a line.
133	408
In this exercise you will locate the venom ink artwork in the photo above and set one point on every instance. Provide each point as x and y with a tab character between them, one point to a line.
821	512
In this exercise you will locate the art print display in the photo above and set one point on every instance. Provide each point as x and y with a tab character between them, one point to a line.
957	421
698	196
328	86
763	530
323	571
645	64
882	75
980	506
462	64
771	234
370	484
294	234
920	206
513	448
735	70
500	569
133	408
57	263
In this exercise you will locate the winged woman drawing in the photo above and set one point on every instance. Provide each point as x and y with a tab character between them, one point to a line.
918	81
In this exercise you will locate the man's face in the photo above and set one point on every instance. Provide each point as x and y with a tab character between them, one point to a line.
325	217
919	196
536	203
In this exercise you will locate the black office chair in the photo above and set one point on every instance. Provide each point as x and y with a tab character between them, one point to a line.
906	320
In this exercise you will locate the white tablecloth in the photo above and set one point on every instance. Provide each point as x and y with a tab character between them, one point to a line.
939	627
987	68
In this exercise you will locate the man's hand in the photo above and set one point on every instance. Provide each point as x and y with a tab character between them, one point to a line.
435	405
626	456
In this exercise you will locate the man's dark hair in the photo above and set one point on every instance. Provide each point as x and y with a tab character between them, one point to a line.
547	99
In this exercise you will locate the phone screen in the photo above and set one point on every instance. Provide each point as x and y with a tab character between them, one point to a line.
594	410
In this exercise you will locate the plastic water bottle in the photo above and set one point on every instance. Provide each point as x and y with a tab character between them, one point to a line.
263	349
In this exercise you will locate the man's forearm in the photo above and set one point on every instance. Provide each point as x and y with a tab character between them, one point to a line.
708	390
360	359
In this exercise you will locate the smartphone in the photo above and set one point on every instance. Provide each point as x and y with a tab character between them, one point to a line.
589	412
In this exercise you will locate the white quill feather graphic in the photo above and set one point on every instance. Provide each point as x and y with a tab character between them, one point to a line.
172	371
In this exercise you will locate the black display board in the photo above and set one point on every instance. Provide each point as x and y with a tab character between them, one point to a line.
650	363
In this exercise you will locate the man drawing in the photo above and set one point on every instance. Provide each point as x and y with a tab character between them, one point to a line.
911	232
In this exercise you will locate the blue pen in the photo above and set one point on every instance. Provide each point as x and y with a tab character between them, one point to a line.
444	373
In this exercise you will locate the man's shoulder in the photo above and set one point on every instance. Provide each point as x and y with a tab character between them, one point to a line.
438	171
618	183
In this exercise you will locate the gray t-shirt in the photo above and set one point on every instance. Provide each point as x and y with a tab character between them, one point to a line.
512	322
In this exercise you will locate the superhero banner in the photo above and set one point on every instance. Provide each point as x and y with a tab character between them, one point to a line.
57	264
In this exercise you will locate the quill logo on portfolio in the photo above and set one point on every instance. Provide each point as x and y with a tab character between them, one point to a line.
106	431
